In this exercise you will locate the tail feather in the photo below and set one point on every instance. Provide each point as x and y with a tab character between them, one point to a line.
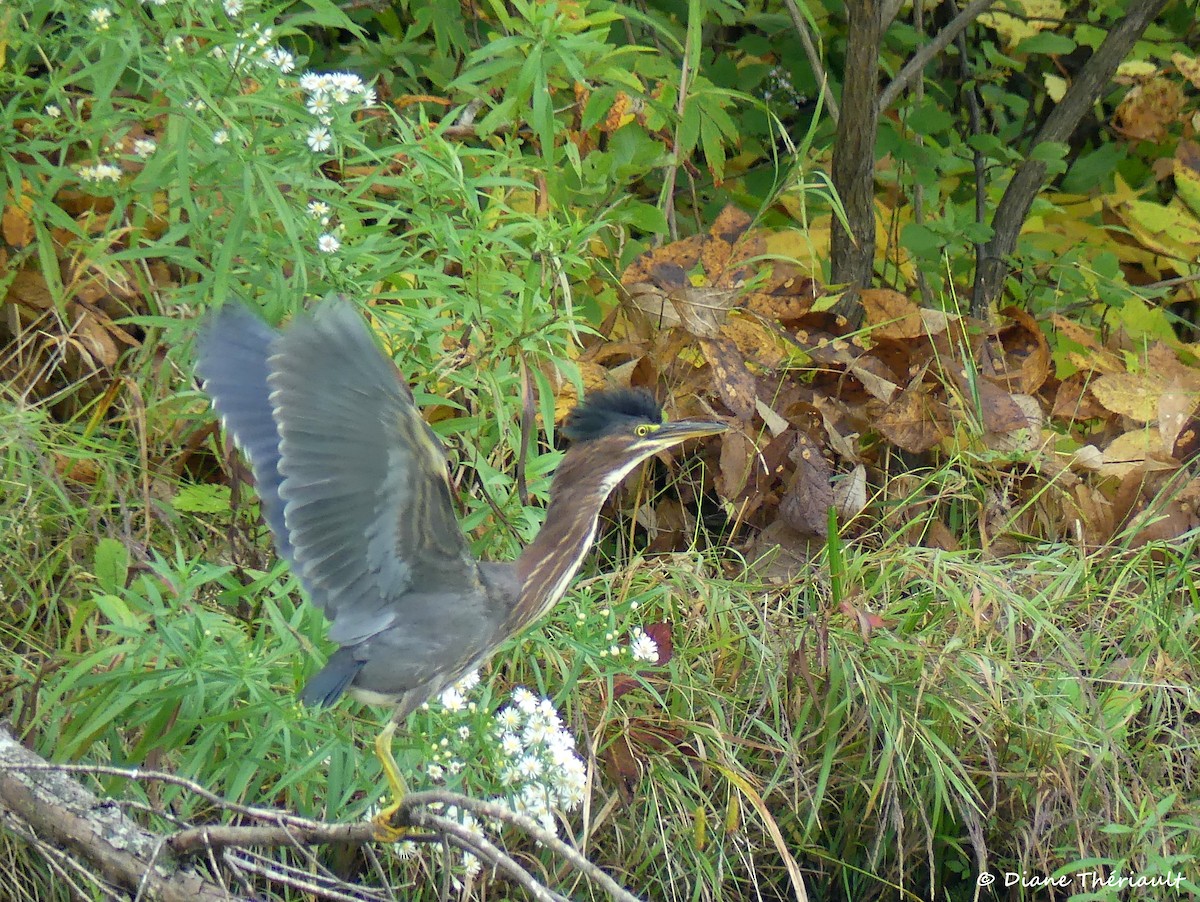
327	686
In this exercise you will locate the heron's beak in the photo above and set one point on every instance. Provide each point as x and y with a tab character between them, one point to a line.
673	433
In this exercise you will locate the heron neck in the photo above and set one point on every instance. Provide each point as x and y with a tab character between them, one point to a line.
547	566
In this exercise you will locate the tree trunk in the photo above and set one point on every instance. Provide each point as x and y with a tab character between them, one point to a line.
1093	78
852	253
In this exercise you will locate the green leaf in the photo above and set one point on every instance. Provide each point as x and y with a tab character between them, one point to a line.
922	241
714	147
110	563
1094	168
689	128
1047	42
646	217
119	614
1049	152
202	499
928	119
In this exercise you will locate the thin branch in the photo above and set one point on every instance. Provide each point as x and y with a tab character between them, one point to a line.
243	861
282	829
927	52
534	830
39	799
140	775
814	58
486	851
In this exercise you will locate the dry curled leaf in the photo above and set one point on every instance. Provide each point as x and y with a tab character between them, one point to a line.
806	505
914	421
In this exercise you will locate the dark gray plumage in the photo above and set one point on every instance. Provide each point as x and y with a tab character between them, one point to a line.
354	487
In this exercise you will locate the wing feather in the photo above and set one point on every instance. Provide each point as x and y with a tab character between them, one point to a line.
233	348
367	505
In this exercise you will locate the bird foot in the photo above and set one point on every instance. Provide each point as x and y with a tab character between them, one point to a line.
384	831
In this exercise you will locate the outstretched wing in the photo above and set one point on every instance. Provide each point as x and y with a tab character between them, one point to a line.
366	499
352	481
233	348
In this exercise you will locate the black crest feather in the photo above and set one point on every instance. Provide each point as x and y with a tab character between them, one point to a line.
609	411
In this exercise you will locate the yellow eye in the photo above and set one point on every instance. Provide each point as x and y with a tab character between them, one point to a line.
644	429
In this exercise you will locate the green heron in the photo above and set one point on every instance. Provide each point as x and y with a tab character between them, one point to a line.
354	487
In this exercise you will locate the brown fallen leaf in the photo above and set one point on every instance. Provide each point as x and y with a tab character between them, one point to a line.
805	506
914	421
850	494
890	314
1026	353
996	409
735	385
1073	399
17	227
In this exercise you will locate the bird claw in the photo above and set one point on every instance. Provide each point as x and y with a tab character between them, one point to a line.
384	831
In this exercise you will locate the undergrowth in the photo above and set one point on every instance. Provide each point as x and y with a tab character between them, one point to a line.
1033	714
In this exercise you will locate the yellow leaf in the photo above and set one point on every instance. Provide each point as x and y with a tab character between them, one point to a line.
1188	66
1056	87
1169	230
1187	185
1133	395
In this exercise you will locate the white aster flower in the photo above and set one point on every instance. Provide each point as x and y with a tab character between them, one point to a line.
436	772
467	681
143	147
100	16
525	700
348	81
511	745
319	139
311	82
535	733
328	244
280	59
451	699
643	648
233	8
319	106
530	767
509	718
220	136
100	172
53	110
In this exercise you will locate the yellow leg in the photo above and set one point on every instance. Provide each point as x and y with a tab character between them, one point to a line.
383	751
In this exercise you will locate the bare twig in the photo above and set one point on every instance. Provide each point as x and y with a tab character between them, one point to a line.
39	799
278	829
927	52
814	58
